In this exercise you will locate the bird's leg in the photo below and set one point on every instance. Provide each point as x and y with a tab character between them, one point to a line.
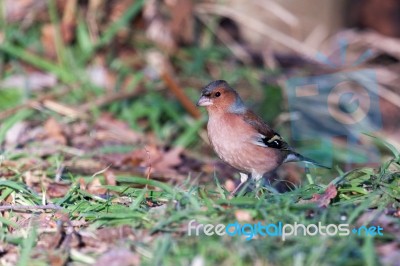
243	179
257	178
257	182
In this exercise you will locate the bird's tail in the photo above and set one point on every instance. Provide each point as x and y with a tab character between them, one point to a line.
297	157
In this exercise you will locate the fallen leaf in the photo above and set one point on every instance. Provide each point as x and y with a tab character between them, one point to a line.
389	253
230	185
109	129
114	234
57	189
47	39
14	134
118	257
34	179
34	81
324	199
243	216
55	131
110	178
95	187
168	160
84	166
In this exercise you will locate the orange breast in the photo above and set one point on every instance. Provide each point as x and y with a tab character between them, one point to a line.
231	138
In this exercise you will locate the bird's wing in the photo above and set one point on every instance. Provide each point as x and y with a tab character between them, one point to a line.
266	136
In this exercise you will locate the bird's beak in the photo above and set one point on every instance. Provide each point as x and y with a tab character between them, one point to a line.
204	101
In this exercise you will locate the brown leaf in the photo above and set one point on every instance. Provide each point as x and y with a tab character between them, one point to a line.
230	185
14	134
95	187
82	183
68	21
49	240
114	234
84	166
243	215
57	189
47	39
113	130
118	257
55	131
110	178
168	160
6	168
10	254
324	199
389	253
34	179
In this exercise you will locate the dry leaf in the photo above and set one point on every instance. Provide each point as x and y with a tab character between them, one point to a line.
324	199
55	131
118	257
47	39
34	81
389	253
243	216
230	185
57	189
114	234
110	129
33	179
95	187
168	161
14	134
110	178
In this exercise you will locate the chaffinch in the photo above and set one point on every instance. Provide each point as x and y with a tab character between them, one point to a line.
240	137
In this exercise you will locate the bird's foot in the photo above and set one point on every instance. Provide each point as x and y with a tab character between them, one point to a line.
242	188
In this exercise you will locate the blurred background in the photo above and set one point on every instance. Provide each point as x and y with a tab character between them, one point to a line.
322	72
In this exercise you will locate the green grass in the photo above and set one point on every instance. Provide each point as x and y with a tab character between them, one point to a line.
164	238
159	214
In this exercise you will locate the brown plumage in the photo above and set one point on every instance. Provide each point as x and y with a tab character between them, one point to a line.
240	137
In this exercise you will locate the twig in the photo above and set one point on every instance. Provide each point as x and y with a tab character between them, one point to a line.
102	171
63	109
109	98
28	208
34	103
160	64
180	95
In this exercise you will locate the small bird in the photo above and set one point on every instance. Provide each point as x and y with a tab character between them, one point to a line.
241	138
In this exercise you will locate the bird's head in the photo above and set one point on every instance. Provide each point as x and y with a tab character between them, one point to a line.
219	96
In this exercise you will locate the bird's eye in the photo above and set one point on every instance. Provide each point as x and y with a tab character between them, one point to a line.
217	94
